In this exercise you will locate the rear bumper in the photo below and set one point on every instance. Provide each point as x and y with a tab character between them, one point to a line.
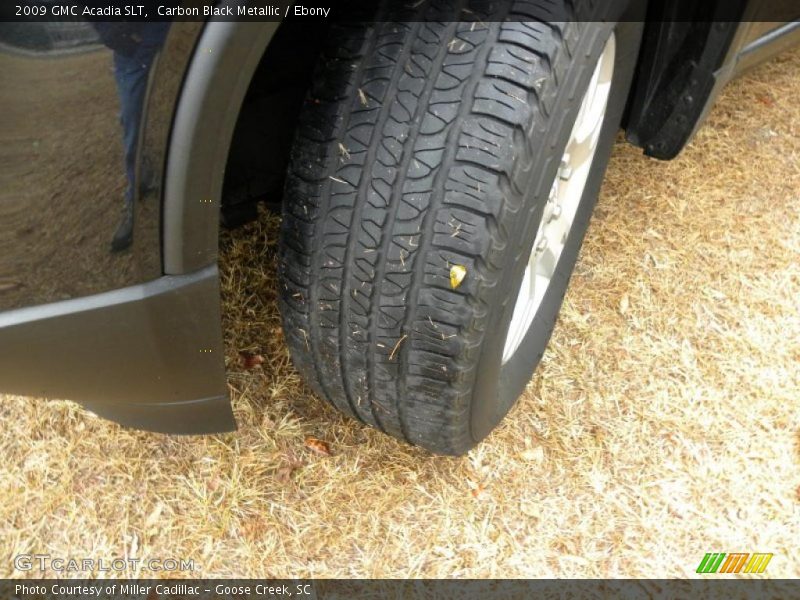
148	356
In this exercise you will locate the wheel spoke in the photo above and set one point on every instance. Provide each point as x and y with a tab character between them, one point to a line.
530	272
581	149
559	213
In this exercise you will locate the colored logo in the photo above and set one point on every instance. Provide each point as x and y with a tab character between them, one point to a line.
742	562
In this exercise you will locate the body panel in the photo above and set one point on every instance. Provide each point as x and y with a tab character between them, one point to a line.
156	345
63	178
76	320
765	40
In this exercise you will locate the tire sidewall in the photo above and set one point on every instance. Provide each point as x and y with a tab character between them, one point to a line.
497	386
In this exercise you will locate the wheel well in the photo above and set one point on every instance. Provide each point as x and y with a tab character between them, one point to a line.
262	137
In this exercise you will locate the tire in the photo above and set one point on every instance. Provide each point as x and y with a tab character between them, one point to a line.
425	146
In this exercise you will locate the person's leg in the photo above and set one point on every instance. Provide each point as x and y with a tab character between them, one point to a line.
130	73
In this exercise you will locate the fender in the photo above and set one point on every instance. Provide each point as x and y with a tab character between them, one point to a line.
225	59
691	50
685	43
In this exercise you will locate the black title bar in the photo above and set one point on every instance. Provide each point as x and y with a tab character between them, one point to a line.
21	11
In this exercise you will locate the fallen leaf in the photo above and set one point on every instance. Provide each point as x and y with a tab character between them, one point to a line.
318	446
457	275
250	361
478	491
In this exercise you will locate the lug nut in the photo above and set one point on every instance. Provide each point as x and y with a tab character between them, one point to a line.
565	171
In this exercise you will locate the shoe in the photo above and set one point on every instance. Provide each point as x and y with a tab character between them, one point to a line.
123	236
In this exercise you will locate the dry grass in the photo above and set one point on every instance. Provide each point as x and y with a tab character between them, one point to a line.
662	424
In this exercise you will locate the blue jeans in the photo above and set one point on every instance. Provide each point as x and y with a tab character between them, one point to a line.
131	70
